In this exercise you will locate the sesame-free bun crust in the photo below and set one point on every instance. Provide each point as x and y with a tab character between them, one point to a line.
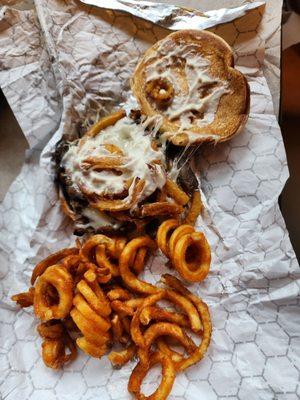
233	107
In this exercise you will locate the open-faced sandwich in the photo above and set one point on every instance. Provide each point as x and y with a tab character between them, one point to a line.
115	177
189	79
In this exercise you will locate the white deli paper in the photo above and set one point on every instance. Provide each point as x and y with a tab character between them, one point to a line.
63	61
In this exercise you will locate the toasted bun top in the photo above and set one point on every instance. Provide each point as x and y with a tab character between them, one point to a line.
188	78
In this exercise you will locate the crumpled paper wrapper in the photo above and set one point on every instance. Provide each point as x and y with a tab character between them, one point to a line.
63	61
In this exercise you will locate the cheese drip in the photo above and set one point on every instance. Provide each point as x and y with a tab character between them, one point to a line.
196	92
140	161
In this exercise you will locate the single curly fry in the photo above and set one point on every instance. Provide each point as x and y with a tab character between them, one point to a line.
181	231
174	191
117	328
54	351
192	257
188	250
92	349
59	280
24	299
53	259
127	255
164	329
121	308
185	304
124	204
164	233
104	123
87	251
203	311
53	329
141	370
195	208
138	261
120	358
159	314
162	346
104	260
95	297
119	294
95	319
160	90
160	208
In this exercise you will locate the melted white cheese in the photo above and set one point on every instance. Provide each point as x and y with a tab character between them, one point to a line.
142	161
199	92
98	220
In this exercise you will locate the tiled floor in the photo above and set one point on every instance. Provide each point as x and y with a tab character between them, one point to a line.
13	144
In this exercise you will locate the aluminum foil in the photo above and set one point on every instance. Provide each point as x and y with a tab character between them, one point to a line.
173	17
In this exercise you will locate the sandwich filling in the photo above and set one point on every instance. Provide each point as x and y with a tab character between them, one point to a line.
111	164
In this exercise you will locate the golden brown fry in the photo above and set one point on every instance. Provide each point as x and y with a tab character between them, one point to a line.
130	280
203	311
139	260
95	297
119	358
108	163
181	231
162	346
71	263
188	250
160	208
141	370
24	299
134	303
54	351
121	205
174	191
91	329
184	303
164	329
195	208
53	329
55	258
164	233
121	308
104	123
117	328
112	148
98	321
119	294
160	90
105	261
192	257
87	251
90	348
56	278
159	314
66	208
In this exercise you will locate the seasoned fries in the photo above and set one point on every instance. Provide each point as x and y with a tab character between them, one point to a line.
92	300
